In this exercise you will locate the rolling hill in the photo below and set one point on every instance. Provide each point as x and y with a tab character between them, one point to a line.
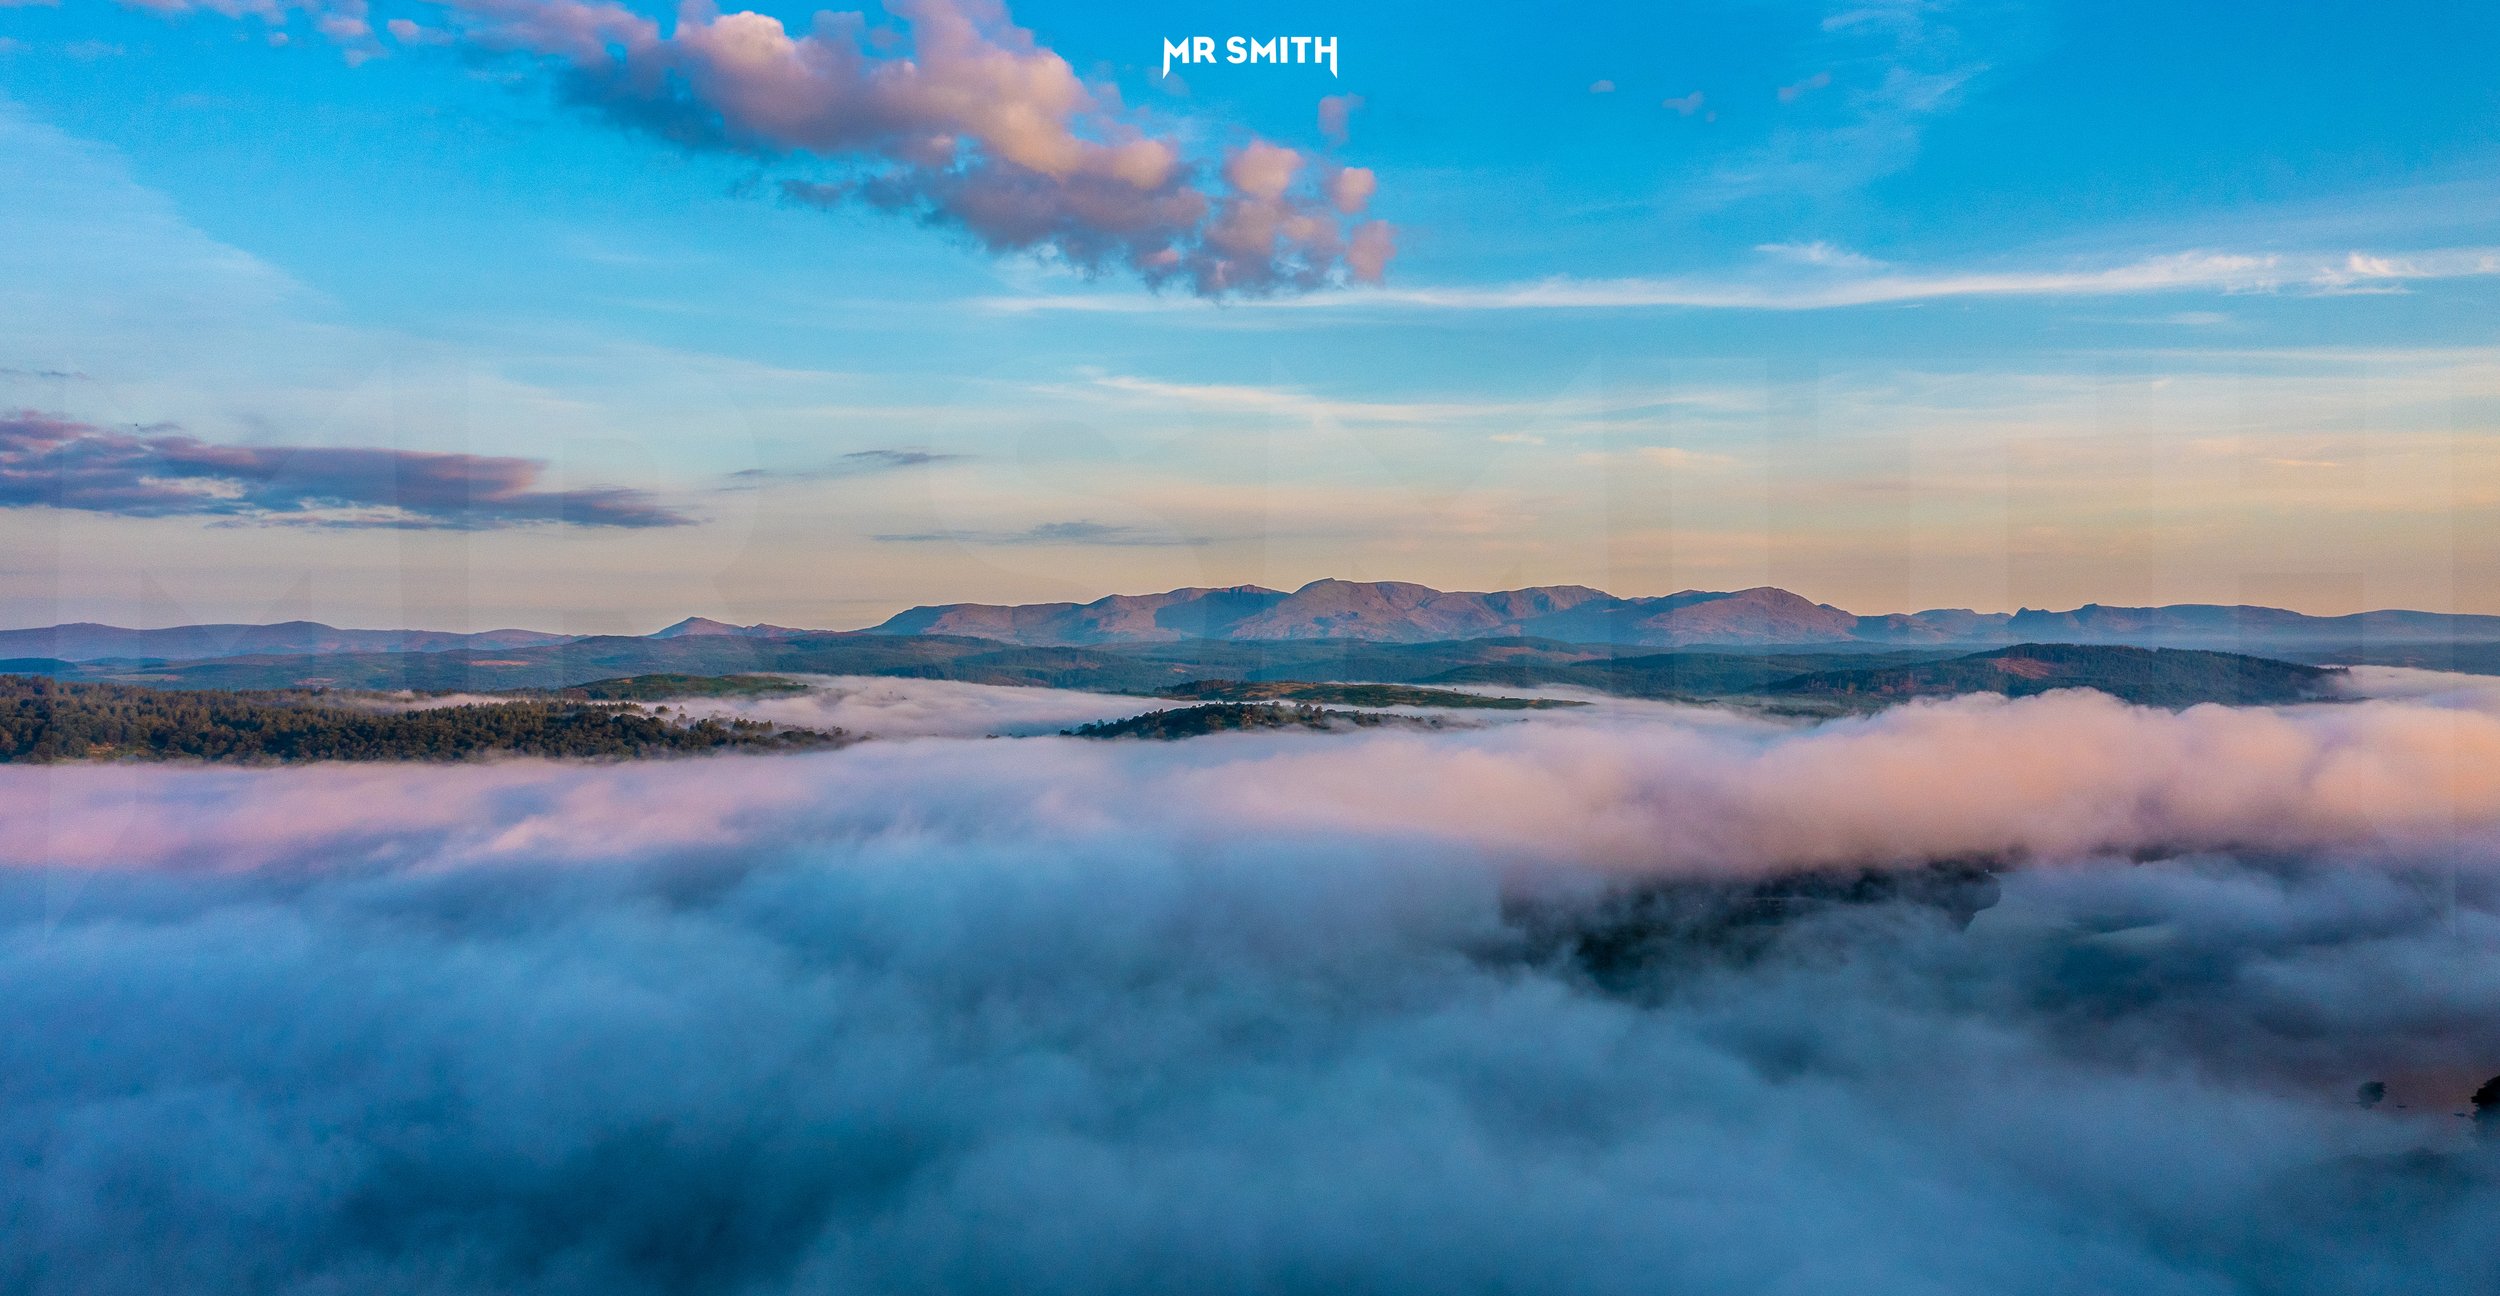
1334	671
2166	677
1397	612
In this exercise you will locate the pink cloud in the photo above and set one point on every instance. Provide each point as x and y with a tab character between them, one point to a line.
1334	110
1367	256
1351	188
1635	788
959	117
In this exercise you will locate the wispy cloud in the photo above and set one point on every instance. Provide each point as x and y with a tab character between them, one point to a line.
1874	285
875	460
1882	73
1818	253
1082	532
1792	93
1684	457
858	463
49	461
1293	403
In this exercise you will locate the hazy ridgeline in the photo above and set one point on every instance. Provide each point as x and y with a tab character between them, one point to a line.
1265	1012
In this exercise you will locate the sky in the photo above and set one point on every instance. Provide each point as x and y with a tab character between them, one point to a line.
587	318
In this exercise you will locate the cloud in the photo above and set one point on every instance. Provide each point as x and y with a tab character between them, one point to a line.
1334	110
266	9
857	463
407	32
1684	106
1792	93
893	709
957	116
50	461
1818	253
948	1015
1601	86
1900	64
1350	188
1082	532
1367	255
872	460
1681	457
1628	788
1235	398
1877	284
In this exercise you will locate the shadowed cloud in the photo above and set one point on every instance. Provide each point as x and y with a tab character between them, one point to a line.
51	461
858	463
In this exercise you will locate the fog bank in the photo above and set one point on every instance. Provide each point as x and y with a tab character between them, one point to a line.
1253	1013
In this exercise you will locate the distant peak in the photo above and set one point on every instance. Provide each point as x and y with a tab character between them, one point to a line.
695	625
1333	582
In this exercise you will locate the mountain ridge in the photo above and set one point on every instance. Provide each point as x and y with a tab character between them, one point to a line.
93	641
1385	612
1401	612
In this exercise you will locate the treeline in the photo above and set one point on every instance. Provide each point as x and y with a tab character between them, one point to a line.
2162	677
1224	717
48	720
665	687
1353	695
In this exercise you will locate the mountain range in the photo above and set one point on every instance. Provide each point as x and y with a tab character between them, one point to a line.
1388	612
1395	612
88	641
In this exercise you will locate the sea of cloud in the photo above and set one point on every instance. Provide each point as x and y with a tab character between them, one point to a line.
1256	1012
907	708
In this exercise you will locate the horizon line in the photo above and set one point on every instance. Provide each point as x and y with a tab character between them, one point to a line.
1246	585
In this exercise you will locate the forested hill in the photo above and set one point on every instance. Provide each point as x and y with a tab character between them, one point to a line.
1231	717
2166	677
48	720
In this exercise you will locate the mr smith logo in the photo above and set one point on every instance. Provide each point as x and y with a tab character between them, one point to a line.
1247	49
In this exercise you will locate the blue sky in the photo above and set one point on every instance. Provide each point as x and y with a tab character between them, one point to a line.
1897	305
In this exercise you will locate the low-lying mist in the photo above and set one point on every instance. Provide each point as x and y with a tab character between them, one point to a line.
1274	1013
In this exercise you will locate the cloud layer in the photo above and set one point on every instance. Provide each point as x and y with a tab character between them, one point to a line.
1042	1015
47	460
1632	789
